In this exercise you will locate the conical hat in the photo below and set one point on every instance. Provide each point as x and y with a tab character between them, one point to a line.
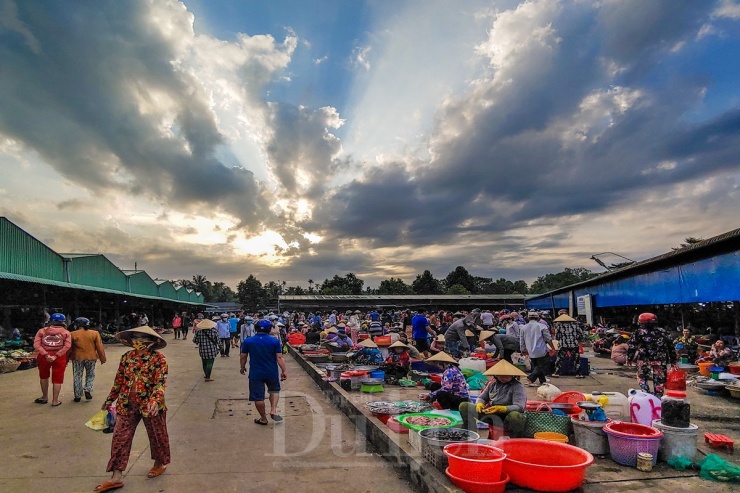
485	334
399	344
564	318
367	343
503	367
440	338
126	335
205	324
442	357
469	333
332	330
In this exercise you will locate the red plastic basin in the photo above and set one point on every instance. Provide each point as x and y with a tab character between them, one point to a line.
475	462
383	417
545	466
476	487
394	425
633	430
435	377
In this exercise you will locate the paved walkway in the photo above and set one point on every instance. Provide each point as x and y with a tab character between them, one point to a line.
215	445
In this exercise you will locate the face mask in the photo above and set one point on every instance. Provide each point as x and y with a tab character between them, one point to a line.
140	344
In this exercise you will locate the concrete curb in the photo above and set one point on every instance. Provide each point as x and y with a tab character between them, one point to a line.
418	471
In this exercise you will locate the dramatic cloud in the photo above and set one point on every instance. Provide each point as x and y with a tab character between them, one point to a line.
514	138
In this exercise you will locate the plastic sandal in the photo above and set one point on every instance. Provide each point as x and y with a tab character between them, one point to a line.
156	471
260	422
107	486
41	401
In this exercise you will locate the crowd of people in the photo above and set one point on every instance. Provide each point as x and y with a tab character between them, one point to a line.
442	338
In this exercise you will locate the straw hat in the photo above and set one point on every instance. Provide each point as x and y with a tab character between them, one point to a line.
485	334
357	312
503	367
442	357
398	344
564	318
205	324
440	338
367	343
457	314
126	335
332	330
469	333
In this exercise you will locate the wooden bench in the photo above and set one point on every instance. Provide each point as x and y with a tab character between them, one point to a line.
719	441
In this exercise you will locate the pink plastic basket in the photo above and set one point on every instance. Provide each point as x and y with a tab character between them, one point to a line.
624	448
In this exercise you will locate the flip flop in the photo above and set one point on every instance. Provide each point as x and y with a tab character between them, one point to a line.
260	422
156	471
57	404
108	486
41	401
276	417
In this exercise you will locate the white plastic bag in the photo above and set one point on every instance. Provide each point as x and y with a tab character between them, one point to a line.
548	392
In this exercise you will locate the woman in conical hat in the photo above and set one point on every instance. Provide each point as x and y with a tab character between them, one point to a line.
138	392
453	390
396	365
437	344
501	403
369	354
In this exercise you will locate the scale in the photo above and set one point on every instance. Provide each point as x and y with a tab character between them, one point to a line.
372	385
589	407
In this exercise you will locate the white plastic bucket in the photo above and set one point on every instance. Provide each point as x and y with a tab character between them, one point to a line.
617	408
476	364
677	442
590	436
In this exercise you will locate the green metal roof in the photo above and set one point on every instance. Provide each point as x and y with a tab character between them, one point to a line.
21	253
94	270
23	258
141	283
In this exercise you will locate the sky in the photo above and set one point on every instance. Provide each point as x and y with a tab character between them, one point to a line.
302	139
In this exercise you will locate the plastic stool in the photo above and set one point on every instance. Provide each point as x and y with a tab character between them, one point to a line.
719	441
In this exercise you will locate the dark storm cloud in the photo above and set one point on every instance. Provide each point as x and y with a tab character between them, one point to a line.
83	85
577	118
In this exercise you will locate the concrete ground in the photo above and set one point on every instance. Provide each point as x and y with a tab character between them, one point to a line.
215	445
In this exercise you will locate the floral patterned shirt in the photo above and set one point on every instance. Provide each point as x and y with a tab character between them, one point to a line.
453	381
568	334
141	376
651	344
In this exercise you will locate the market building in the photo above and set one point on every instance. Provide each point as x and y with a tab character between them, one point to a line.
697	285
34	278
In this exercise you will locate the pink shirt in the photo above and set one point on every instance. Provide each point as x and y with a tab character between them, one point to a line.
54	340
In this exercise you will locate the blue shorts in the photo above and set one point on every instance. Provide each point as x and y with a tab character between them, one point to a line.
257	388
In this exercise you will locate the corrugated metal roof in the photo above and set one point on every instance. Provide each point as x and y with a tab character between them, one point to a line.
51	282
22	254
94	270
141	283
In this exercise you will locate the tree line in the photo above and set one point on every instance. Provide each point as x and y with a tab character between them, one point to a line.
251	292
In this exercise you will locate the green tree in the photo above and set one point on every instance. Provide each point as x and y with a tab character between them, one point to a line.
457	289
348	284
568	276
295	290
520	287
425	283
462	277
222	293
251	293
394	286
691	240
310	285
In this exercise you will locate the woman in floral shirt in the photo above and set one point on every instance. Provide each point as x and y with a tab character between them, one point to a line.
138	391
653	351
454	389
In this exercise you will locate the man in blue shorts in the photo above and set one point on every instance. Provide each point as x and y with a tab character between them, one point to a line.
265	355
